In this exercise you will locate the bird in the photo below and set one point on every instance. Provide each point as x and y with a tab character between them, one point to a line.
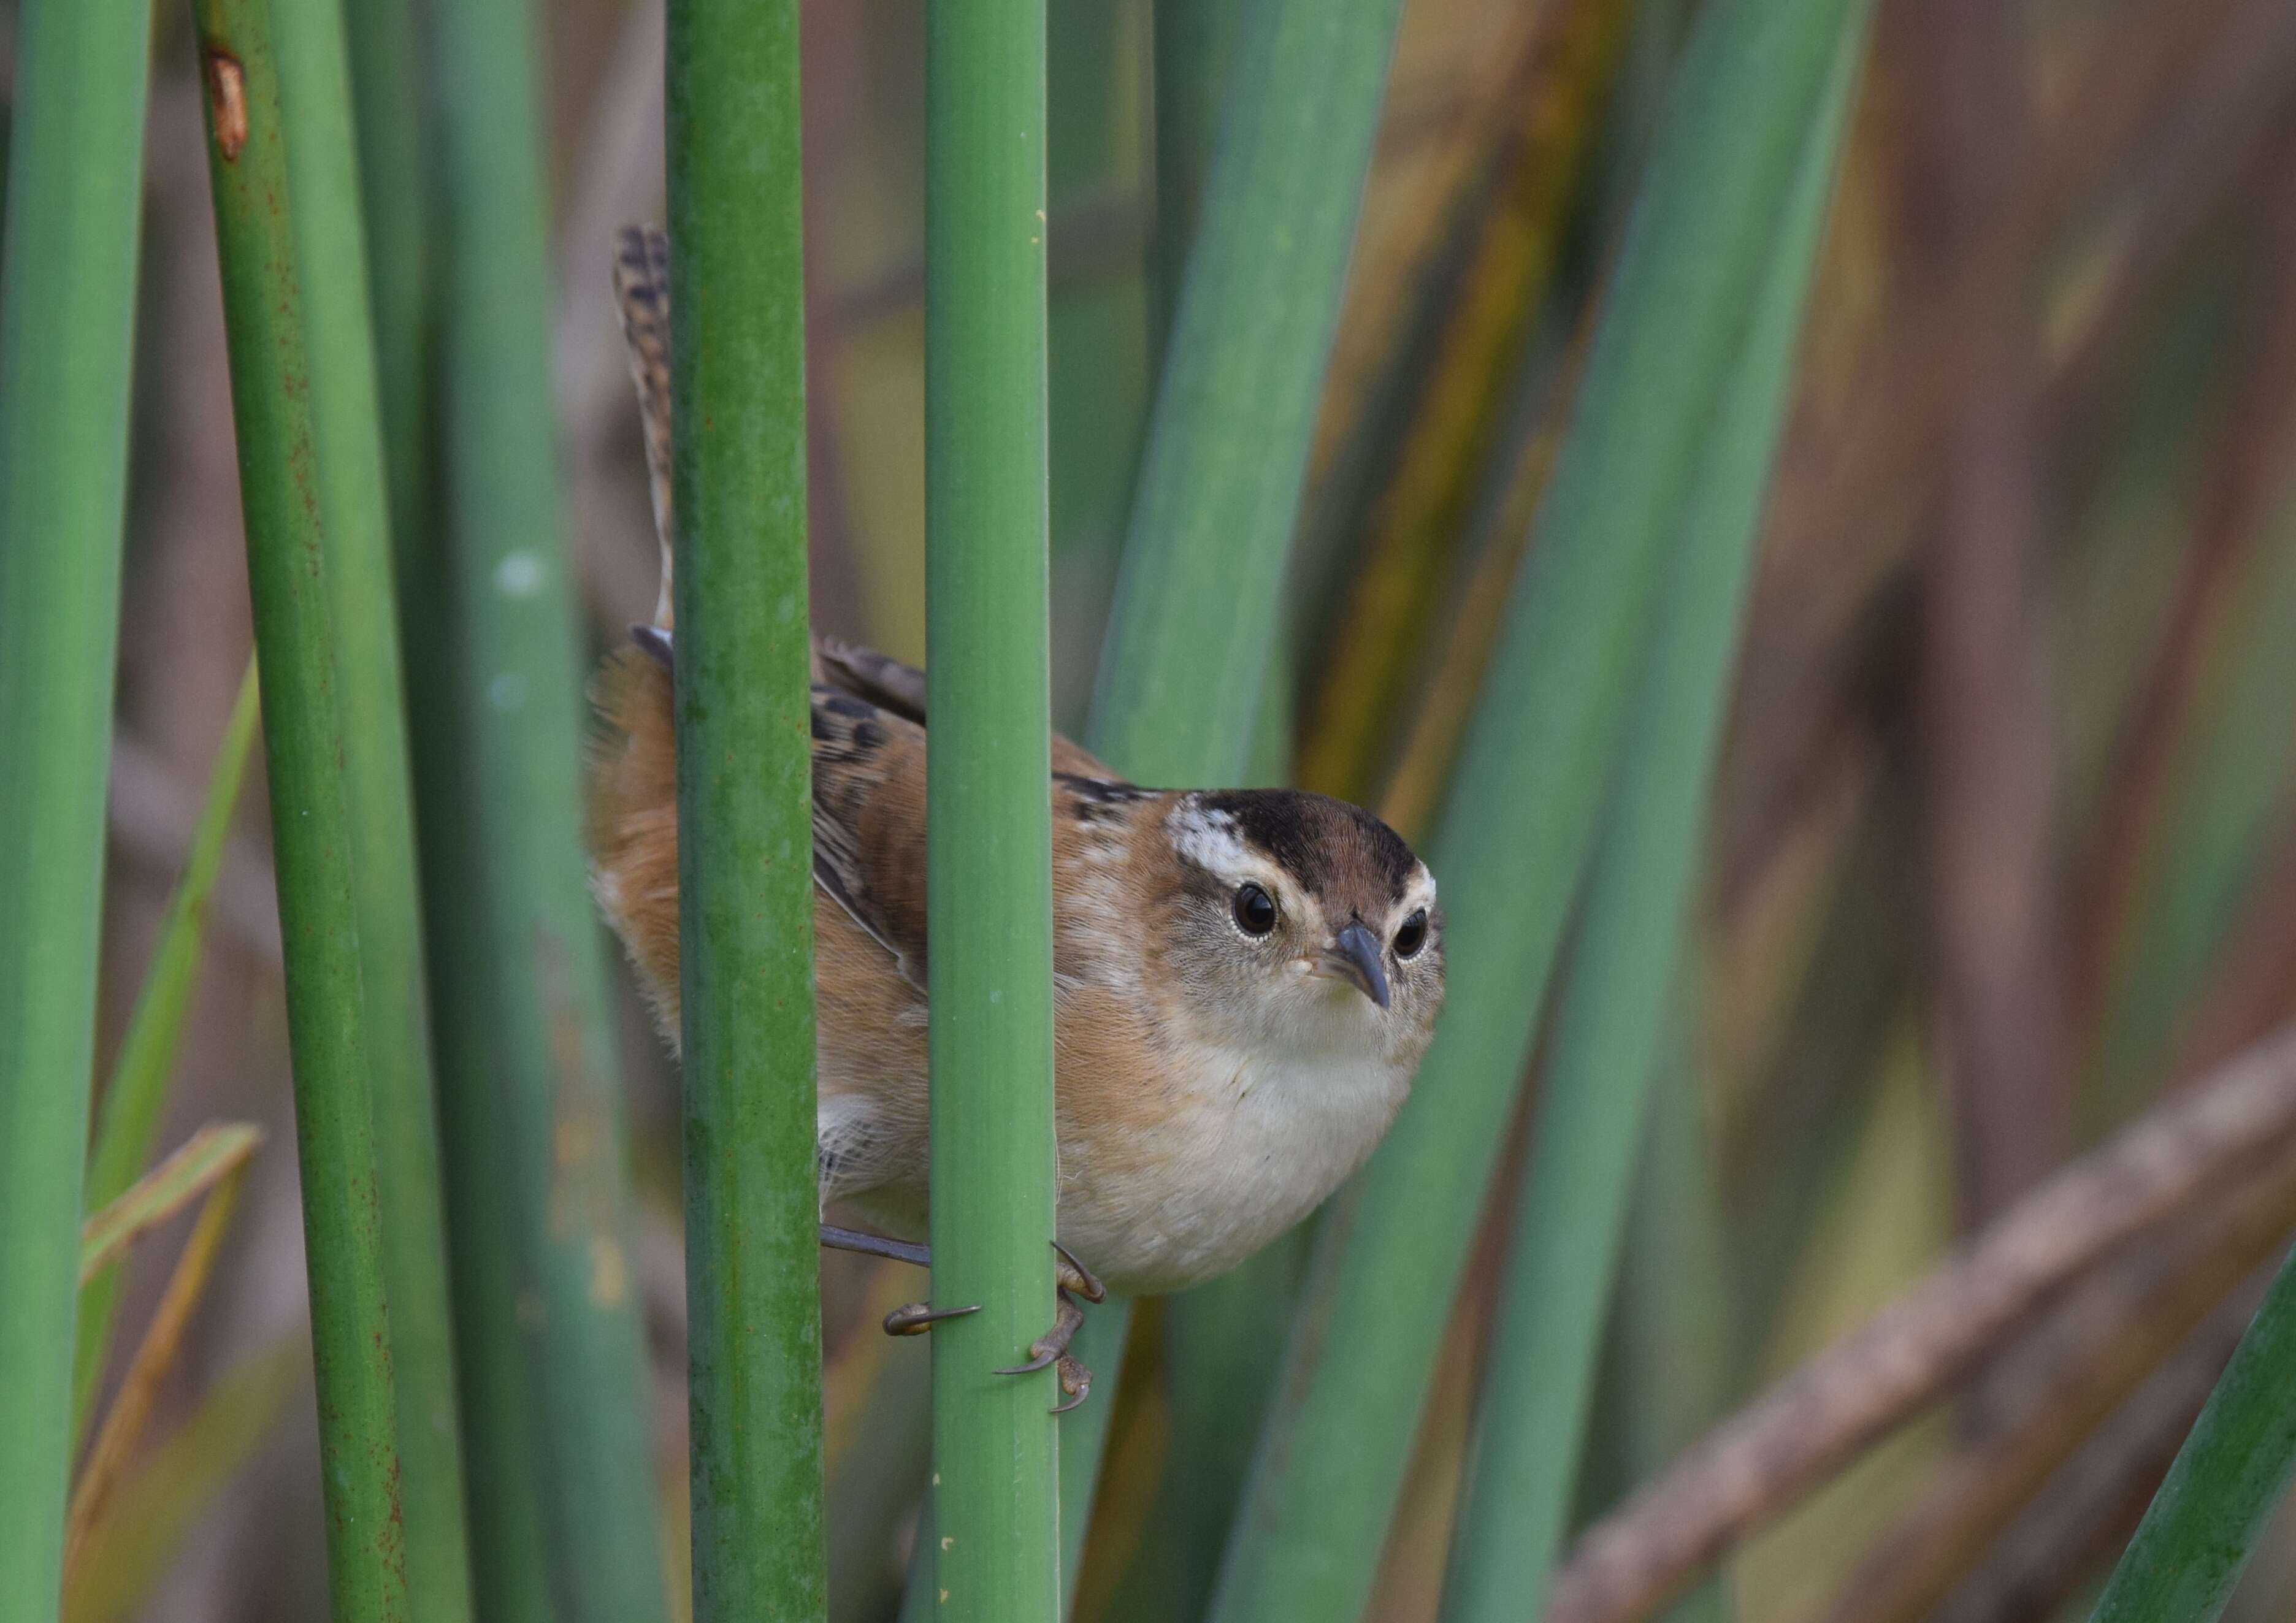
1244	979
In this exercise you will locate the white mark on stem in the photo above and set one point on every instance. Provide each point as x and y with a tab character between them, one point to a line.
519	574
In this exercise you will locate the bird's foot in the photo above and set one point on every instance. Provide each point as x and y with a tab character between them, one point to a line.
1048	1350
1052	1347
914	1318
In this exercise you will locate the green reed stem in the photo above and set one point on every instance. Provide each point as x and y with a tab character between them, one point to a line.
353	489
995	1498
291	564
75	166
559	1414
744	810
510	1563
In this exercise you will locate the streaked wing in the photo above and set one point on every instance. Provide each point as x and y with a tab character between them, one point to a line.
900	688
867	673
869	821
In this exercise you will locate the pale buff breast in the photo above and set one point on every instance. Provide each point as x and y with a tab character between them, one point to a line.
1181	1176
1168	1176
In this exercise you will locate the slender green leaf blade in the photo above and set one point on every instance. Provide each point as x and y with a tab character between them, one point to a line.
1727	156
397	161
127	1124
1192	41
2188	1552
197	1165
1235	406
1611	1019
163	1338
67	330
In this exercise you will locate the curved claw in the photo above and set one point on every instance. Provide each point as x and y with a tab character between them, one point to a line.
1076	1380
1050	1347
1077	1278
1047	1351
914	1318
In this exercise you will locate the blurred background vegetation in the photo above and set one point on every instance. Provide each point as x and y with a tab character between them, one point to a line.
2003	844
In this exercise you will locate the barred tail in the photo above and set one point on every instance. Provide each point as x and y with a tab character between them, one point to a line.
642	294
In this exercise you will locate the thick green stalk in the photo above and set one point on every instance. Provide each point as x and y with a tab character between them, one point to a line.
744	818
1610	1021
2187	1557
128	1123
1228	441
529	1087
67	333
290	565
1197	607
1099	355
509	1556
1728	154
323	176
396	161
511	1574
1192	45
996	1555
504	1493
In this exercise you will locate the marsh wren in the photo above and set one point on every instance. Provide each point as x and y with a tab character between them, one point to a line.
1244	981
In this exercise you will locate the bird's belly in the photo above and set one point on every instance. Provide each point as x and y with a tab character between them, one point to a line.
1162	1186
1242	1155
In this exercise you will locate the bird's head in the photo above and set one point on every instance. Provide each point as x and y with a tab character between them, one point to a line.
1299	919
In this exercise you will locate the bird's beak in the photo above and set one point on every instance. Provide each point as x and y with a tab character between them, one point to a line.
1355	957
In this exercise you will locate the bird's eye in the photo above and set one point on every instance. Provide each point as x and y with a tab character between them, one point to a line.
1255	910
1412	936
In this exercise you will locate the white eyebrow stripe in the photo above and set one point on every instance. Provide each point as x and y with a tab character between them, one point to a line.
1206	838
